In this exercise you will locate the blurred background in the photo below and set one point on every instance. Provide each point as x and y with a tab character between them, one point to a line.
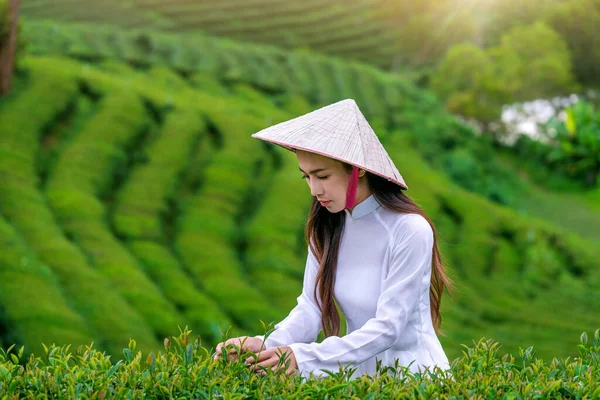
133	199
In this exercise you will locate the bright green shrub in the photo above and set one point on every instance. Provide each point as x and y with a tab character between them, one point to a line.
141	207
507	260
200	310
208	83
82	176
268	68
141	202
26	208
207	229
575	147
275	234
467	158
186	369
576	22
218	260
388	101
31	298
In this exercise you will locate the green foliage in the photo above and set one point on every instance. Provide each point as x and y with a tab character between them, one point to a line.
319	79
142	201
198	309
273	261
212	220
466	78
471	170
186	369
24	119
503	15
82	177
209	220
530	62
224	67
386	34
576	143
410	37
533	61
571	149
577	22
425	30
33	306
465	157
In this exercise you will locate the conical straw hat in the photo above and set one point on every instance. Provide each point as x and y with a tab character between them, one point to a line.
338	131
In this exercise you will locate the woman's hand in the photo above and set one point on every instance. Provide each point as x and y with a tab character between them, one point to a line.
244	342
269	359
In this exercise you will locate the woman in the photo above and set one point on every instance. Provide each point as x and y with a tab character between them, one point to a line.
371	249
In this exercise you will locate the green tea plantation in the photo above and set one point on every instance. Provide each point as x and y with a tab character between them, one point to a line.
184	369
133	201
362	30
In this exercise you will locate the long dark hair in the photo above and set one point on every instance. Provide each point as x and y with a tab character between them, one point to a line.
323	233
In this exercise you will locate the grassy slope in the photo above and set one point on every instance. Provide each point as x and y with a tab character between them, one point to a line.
508	282
519	280
279	23
578	212
317	78
334	27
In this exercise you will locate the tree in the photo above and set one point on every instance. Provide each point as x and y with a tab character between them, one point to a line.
530	62
533	62
9	20
425	38
501	16
576	143
424	29
466	80
578	22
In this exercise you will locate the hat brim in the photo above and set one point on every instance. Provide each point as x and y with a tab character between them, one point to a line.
294	148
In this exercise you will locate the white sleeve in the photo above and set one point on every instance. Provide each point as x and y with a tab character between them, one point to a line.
410	261
303	323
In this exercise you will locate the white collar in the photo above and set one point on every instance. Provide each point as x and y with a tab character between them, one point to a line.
363	208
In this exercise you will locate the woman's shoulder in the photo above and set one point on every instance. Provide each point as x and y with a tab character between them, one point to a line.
404	225
398	220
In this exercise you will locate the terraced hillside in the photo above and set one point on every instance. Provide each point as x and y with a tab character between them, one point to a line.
358	29
133	199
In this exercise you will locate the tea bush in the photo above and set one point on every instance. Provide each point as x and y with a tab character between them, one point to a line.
48	94
186	369
215	241
389	101
337	27
573	148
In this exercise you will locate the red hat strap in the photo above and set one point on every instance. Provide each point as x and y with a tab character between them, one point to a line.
352	189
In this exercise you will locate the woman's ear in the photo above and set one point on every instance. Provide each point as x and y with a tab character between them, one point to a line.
361	173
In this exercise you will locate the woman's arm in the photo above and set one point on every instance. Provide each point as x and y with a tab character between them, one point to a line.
407	278
303	323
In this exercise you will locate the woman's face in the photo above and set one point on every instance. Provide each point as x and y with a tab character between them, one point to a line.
326	178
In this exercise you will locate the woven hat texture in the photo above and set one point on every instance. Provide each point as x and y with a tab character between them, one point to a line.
339	131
